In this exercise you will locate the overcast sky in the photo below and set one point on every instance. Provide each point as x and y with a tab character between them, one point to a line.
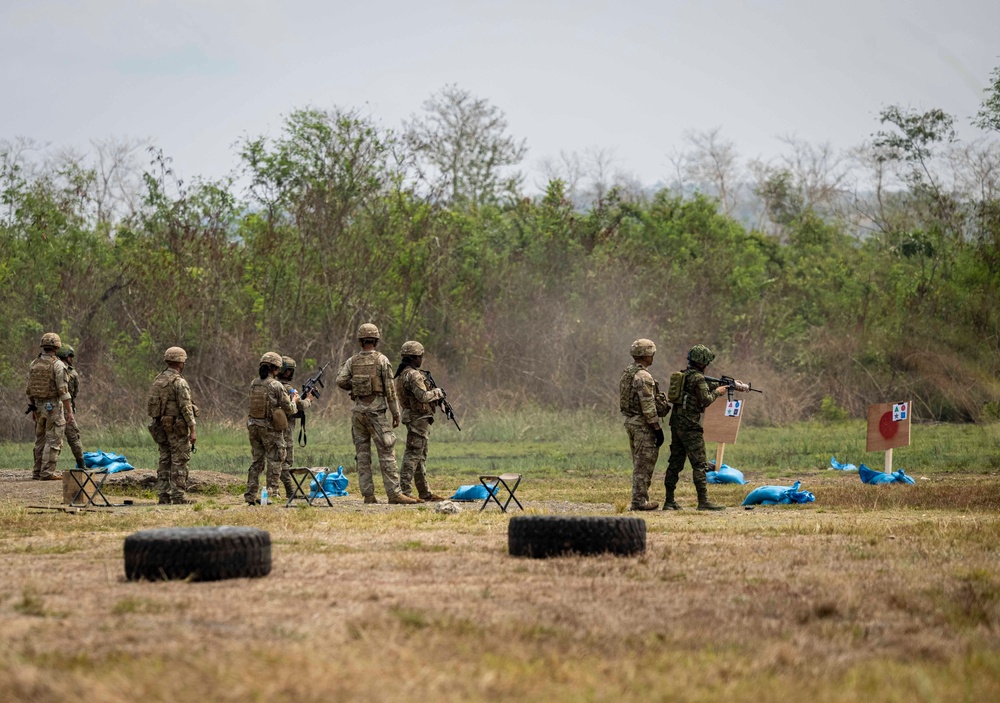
196	75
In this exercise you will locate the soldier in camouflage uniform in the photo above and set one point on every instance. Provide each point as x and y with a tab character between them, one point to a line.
269	408
367	376
172	425
51	407
286	375
68	356
418	405
687	435
642	404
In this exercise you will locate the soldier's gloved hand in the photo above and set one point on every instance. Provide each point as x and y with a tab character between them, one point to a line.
741	386
439	393
658	431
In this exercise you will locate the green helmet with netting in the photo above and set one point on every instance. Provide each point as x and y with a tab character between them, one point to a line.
701	355
287	362
65	352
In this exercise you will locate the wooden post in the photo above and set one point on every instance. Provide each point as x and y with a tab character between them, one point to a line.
888	461
719	452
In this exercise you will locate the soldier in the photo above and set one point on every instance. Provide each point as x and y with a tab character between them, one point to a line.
68	356
687	435
51	407
418	416
269	408
643	405
172	425
368	377
286	375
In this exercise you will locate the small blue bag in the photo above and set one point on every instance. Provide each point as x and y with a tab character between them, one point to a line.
106	461
834	464
775	495
873	477
334	484
473	493
727	474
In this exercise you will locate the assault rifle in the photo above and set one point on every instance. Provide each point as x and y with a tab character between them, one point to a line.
311	385
730	383
445	406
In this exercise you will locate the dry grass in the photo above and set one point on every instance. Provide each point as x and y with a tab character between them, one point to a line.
872	593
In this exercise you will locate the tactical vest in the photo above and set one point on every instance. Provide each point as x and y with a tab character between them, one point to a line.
162	401
41	381
407	400
629	402
365	377
73	382
257	405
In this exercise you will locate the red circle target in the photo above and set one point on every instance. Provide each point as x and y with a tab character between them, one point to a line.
887	427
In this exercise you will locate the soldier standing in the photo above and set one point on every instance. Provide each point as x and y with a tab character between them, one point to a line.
68	356
643	405
269	408
172	425
418	416
368	377
687	434
286	375
51	407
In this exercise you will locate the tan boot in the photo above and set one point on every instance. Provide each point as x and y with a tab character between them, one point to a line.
370	499
401	499
644	506
431	498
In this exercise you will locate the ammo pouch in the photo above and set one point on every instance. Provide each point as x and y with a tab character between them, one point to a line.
361	386
279	419
662	406
154	406
168	422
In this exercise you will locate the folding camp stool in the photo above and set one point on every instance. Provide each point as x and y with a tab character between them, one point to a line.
492	490
83	490
301	479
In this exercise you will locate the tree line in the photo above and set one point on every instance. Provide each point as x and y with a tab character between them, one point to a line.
831	279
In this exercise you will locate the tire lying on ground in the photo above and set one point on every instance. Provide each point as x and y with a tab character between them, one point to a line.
198	553
542	536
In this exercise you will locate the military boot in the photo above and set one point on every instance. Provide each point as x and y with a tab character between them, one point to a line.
668	501
644	506
431	497
704	503
289	490
403	499
370	499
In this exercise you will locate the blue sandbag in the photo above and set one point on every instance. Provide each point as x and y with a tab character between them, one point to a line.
473	493
334	484
873	477
727	474
775	495
117	466
834	464
99	459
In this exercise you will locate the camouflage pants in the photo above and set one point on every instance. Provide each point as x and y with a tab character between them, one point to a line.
414	469
686	443
374	427
642	442
75	442
266	446
175	453
288	442
50	427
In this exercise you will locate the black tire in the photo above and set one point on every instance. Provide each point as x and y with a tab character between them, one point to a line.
198	553
542	536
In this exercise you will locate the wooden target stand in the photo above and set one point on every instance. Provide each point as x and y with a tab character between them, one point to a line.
888	428
722	424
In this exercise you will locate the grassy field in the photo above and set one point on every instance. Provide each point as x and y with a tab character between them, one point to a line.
873	593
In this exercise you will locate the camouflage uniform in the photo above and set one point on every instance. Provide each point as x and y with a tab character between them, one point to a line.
72	429
47	388
368	377
267	445
288	438
172	415
418	416
687	435
642	404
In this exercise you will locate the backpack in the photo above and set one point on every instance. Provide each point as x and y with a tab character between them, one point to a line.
675	392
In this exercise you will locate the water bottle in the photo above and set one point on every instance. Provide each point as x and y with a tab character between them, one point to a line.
263	496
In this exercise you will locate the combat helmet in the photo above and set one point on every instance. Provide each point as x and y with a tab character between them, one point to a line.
701	355
50	339
642	347
272	358
175	354
368	331
287	362
411	348
65	351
